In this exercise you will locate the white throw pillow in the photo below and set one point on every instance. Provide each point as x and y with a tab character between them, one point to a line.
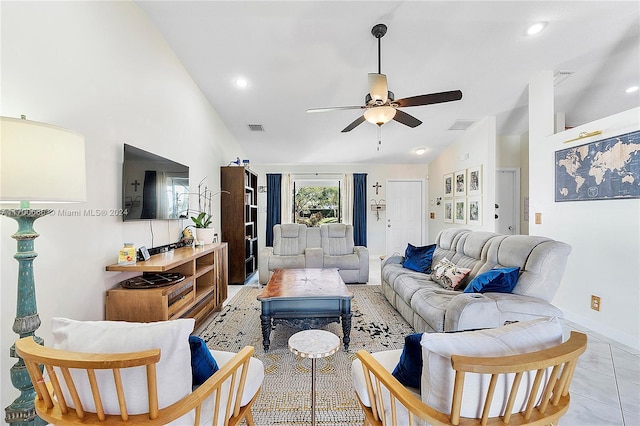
173	370
438	375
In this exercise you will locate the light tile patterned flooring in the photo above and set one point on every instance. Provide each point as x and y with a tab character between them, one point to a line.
606	385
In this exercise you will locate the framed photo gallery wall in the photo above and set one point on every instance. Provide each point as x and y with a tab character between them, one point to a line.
462	199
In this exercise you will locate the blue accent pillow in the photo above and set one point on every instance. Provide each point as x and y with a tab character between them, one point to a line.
203	365
409	368
419	258
499	280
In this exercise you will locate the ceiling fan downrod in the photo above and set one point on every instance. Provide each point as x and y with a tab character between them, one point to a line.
378	31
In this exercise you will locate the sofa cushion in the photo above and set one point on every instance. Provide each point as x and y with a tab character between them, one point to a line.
448	274
438	376
419	258
499	280
287	262
405	286
346	261
289	239
336	239
408	371
173	369
431	304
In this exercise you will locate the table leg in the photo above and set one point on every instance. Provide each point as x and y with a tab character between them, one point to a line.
346	323
313	391
266	331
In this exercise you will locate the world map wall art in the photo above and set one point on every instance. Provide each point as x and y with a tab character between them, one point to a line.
601	170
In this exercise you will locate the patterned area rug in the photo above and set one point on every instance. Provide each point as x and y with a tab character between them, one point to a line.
285	396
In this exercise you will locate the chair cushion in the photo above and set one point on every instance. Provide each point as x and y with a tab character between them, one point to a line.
499	280
388	359
255	377
203	364
173	369
419	258
513	339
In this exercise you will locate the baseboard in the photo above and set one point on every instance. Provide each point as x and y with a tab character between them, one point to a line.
607	332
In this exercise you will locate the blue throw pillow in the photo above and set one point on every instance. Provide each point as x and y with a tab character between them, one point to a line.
203	365
419	258
409	368
499	280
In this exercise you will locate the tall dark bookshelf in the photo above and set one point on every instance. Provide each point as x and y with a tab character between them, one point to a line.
239	221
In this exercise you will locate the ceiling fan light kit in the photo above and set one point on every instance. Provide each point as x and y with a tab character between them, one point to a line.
380	106
380	114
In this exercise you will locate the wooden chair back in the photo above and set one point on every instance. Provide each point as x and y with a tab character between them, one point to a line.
560	360
52	405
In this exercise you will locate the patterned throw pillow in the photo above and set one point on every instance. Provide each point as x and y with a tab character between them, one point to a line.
448	274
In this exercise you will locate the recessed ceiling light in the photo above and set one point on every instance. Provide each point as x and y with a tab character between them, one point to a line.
632	89
420	151
241	83
536	28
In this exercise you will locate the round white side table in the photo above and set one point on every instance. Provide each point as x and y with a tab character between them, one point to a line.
314	344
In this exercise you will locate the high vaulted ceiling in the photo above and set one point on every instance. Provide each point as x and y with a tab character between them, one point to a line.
298	55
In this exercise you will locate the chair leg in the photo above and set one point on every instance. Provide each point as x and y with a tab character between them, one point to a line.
249	418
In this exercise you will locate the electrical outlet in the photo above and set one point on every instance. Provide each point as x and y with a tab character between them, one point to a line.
595	302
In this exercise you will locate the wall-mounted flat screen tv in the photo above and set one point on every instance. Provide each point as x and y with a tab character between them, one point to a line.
153	187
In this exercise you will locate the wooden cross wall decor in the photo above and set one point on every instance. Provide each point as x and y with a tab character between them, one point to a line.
377	186
135	185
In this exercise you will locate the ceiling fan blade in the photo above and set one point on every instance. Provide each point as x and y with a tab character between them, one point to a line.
355	124
406	119
378	88
334	108
432	98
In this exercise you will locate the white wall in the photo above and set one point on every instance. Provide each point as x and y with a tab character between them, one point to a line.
376	229
605	235
476	146
101	69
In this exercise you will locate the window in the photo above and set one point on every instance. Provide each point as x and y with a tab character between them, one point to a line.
316	201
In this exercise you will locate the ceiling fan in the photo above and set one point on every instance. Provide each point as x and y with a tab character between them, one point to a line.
381	107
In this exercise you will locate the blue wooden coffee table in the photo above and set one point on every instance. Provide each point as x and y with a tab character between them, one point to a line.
305	299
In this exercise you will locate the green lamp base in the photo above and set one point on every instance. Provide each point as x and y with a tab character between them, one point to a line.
22	411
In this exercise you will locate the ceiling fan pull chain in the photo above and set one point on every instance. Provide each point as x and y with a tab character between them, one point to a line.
379	138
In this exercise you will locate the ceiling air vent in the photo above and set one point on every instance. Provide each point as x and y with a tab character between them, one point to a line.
462	124
256	127
560	76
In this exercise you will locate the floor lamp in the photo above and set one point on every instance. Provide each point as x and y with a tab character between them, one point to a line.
39	163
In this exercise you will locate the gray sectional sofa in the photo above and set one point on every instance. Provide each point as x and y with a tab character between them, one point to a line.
429	307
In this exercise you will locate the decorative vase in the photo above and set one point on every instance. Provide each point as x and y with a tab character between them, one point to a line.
205	235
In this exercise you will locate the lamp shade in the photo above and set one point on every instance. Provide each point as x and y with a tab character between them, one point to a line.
40	163
380	114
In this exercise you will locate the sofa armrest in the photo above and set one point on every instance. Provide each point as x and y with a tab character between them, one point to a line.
363	258
313	257
469	311
263	264
394	258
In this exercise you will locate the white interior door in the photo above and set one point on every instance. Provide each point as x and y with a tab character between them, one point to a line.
507	208
405	214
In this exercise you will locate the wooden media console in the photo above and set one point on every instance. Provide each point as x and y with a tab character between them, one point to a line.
203	290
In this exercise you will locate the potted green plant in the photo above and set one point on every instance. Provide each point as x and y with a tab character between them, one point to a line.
202	221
